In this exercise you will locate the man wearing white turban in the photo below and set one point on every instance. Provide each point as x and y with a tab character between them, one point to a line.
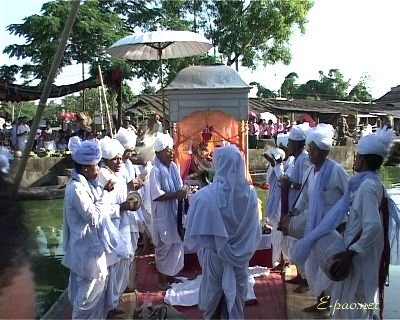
165	190
324	184
370	237
88	235
291	184
119	266
222	224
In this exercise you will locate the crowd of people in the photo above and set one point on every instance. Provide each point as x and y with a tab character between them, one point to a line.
341	232
118	191
48	138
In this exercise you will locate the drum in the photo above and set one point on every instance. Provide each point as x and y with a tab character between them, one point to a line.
134	196
297	226
326	247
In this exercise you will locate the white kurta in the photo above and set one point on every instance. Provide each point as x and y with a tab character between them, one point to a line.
362	283
169	252
84	254
21	140
335	188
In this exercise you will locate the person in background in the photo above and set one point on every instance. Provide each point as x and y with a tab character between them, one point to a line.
223	226
22	134
254	132
61	142
165	190
48	137
84	122
13	134
127	124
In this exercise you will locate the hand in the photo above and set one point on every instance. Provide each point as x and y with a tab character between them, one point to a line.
342	263
129	205
284	182
109	186
181	194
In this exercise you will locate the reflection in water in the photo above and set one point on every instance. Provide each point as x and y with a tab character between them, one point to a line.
44	219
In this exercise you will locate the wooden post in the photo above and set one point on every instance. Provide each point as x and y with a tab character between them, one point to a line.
105	102
46	91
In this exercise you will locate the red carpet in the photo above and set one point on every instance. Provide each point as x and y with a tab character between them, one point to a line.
269	290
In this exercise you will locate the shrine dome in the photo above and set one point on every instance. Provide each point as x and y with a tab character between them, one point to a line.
207	77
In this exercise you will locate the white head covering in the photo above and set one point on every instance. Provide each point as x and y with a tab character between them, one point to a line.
282	138
299	131
322	136
127	138
376	143
87	153
74	143
5	157
110	148
163	140
275	153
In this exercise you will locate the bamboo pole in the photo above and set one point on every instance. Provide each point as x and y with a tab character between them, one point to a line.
46	91
105	102
101	110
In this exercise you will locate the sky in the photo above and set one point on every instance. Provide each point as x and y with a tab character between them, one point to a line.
355	36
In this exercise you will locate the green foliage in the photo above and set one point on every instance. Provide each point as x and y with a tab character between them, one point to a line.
21	109
332	86
361	92
256	31
263	92
94	30
289	86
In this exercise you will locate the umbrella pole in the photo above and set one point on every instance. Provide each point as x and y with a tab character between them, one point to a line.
162	87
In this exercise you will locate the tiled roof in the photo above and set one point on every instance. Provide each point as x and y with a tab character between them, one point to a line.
153	104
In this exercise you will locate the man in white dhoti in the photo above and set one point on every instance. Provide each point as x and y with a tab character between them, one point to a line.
324	184
88	235
112	151
275	157
166	189
223	225
291	184
370	237
22	134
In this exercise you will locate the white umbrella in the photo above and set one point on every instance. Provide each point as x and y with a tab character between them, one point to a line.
158	45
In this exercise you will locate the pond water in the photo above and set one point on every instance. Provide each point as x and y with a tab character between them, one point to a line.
45	220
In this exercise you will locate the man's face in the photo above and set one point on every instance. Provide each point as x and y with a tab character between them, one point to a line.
126	123
115	163
90	172
358	162
317	156
166	156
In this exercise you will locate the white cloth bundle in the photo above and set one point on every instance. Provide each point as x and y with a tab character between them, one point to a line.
110	148
322	136
377	143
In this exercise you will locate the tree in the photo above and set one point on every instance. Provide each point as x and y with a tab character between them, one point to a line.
94	29
256	31
289	86
360	92
263	92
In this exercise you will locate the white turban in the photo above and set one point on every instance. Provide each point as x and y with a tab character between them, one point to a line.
163	140
5	157
322	136
110	148
127	138
299	131
282	138
74	143
88	153
275	153
377	143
